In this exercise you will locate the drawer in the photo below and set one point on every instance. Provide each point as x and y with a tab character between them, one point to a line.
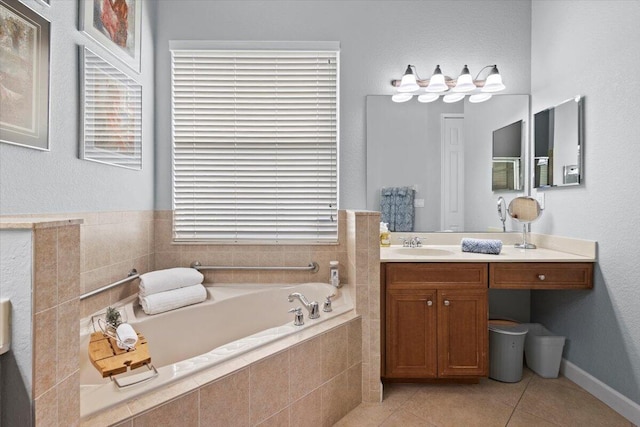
548	275
441	275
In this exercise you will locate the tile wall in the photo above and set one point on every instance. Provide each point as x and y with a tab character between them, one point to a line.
56	333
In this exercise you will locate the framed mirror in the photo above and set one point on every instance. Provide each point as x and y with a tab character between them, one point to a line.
558	144
444	152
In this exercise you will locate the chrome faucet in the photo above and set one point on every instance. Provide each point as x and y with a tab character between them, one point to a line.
412	242
313	307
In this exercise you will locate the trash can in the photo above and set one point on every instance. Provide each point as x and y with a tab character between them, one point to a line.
543	350
506	345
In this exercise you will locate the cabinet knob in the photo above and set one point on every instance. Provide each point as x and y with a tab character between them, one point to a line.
541	276
429	303
446	303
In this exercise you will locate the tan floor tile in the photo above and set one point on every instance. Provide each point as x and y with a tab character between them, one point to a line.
453	405
364	415
507	393
567	405
524	419
404	419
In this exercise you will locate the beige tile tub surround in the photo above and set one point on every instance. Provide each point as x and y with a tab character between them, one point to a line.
169	254
55	287
363	249
259	389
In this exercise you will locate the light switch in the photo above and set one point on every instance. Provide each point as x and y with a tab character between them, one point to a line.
418	203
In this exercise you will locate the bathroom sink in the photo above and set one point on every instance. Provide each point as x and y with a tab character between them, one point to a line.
422	251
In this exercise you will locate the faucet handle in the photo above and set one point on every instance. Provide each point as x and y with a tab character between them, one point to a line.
418	242
327	303
298	319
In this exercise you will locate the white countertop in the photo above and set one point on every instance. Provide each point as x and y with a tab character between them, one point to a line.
453	253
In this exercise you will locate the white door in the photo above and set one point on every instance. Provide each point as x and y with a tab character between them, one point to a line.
452	198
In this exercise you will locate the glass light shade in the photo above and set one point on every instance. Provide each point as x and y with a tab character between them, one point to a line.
401	97
464	82
408	83
479	97
493	83
437	84
453	97
428	97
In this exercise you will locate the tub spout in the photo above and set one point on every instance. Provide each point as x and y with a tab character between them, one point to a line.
313	306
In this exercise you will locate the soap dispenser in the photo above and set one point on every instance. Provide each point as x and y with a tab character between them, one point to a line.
385	236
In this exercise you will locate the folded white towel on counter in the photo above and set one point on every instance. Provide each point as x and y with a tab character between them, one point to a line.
175	298
165	280
126	337
481	246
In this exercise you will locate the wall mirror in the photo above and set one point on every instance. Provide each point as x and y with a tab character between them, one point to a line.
446	153
558	144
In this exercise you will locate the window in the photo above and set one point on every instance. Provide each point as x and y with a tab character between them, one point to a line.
255	142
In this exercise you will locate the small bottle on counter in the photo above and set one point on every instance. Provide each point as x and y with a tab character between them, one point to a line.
334	275
385	236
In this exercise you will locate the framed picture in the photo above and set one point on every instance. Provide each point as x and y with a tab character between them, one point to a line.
115	24
111	104
24	76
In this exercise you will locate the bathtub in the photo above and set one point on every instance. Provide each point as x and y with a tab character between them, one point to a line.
234	319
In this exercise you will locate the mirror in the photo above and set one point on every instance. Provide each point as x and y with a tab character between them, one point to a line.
446	153
525	210
558	140
507	168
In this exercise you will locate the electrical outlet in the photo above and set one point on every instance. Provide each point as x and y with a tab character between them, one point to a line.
418	203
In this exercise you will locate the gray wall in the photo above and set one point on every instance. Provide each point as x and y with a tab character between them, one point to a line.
58	181
591	48
378	39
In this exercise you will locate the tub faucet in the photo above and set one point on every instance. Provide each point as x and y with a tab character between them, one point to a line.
313	307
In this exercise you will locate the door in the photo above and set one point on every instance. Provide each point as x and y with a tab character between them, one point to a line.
462	333
452	173
411	334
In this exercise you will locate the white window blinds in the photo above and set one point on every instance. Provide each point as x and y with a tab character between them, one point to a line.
255	145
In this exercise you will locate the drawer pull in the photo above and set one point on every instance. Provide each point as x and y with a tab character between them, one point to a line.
446	303
541	276
429	303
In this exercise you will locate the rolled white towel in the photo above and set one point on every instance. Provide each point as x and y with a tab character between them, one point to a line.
165	280
126	337
170	300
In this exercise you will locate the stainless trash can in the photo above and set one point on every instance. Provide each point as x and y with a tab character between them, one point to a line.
506	347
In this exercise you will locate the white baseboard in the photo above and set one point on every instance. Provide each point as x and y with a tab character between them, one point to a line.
618	402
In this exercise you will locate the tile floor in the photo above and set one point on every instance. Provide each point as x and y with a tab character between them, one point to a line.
534	401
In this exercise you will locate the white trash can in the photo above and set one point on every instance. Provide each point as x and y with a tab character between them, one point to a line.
543	350
506	344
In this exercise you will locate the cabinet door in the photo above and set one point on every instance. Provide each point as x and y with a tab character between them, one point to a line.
462	333
411	334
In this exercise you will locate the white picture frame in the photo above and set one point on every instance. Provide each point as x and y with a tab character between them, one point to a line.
111	113
116	25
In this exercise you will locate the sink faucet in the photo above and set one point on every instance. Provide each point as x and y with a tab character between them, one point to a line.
313	307
412	242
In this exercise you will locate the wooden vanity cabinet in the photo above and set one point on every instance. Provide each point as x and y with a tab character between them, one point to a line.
435	320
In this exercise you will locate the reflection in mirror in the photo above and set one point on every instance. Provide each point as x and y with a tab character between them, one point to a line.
558	144
444	152
506	170
525	210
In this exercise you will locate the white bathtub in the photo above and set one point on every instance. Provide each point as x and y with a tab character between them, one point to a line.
233	320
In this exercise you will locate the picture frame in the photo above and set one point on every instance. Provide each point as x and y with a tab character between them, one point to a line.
24	76
111	113
116	25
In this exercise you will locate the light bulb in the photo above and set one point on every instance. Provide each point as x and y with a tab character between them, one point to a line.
493	82
408	82
464	82
436	83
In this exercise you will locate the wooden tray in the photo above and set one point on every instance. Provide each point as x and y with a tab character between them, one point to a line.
109	359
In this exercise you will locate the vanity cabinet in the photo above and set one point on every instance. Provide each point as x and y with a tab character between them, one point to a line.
435	320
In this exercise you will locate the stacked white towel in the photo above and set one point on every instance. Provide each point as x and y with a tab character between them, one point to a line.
165	290
166	280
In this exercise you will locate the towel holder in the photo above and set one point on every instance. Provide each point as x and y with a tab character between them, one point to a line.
133	274
312	267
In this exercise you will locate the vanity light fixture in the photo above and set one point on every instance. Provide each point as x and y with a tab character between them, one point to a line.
438	84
